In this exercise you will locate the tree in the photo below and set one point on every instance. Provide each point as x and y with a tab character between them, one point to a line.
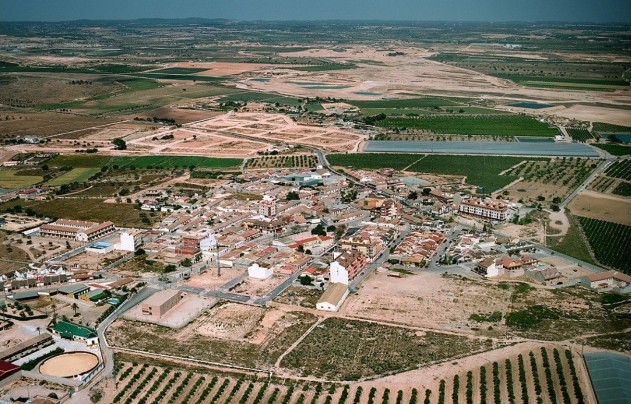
306	280
139	251
119	144
169	268
318	230
413	195
186	262
426	191
74	307
292	196
340	231
330	228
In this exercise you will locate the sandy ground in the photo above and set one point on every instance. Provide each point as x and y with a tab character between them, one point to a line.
425	300
596	114
257	287
68	365
230	321
187	310
603	207
210	280
221	69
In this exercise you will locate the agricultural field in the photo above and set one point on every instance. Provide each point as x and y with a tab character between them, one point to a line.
604	128
75	175
173	162
476	125
341	349
373	160
579	135
121	214
11	180
614	149
547	374
13	253
622	189
78	161
609	242
43	124
406	103
620	169
549	181
482	171
252	96
572	244
224	334
298	161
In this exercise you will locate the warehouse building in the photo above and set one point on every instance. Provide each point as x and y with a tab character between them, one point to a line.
158	304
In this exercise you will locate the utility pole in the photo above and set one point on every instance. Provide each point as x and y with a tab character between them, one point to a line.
218	264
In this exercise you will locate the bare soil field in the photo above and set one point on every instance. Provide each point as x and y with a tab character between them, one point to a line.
603	207
210	280
220	69
44	124
257	287
596	114
413	300
180	115
229	335
45	88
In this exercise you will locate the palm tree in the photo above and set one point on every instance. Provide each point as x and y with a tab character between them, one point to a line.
54	307
74	307
39	330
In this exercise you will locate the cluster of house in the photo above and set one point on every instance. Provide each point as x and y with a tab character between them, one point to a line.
417	248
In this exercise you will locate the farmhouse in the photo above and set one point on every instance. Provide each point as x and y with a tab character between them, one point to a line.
488	208
27	347
76	230
161	302
75	332
75	290
608	280
333	297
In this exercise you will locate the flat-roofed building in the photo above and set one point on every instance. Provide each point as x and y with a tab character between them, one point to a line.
76	230
333	297
485	208
161	302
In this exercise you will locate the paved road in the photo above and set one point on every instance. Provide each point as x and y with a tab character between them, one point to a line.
106	352
599	170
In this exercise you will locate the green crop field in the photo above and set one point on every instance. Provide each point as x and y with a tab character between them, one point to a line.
178	70
78	161
323	68
620	169
74	175
173	162
478	125
623	189
373	160
608	127
615	149
167	76
247	96
579	135
609	242
9	179
565	82
405	103
482	171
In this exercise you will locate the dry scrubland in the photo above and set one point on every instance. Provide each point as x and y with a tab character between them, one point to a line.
559	314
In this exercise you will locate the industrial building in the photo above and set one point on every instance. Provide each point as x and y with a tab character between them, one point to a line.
158	304
333	297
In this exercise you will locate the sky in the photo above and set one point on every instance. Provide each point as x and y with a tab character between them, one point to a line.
417	10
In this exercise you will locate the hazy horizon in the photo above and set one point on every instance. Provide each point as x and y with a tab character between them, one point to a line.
577	11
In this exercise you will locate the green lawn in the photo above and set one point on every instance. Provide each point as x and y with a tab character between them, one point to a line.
173	162
74	175
9	179
509	125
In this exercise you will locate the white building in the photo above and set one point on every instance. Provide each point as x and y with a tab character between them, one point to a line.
130	240
256	271
267	207
338	274
333	297
488	208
